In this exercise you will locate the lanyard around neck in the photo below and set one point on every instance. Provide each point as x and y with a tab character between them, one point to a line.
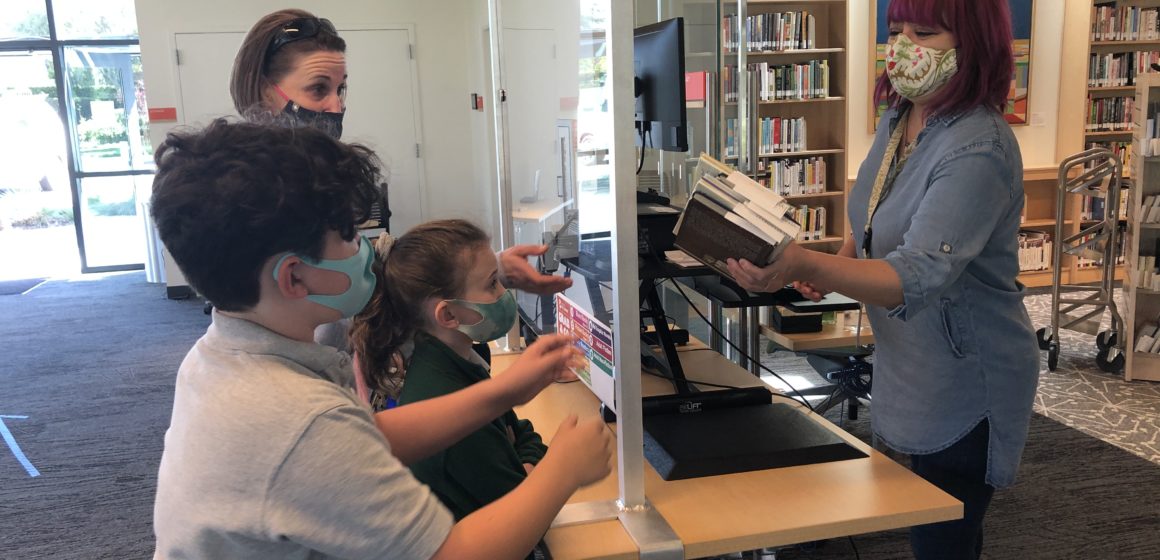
883	179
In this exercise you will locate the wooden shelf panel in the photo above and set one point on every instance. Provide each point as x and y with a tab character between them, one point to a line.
821	241
1043	223
1146	42
785	155
1112	89
802	153
815	195
1107	133
1145	367
788	52
831	98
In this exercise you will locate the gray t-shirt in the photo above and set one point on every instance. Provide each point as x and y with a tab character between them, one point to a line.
269	454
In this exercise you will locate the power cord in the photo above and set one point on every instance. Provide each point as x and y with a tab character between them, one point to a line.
855	547
691	381
640	165
800	397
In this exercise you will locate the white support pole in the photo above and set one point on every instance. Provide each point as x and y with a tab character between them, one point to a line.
498	102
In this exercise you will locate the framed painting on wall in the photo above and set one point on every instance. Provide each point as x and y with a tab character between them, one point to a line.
1022	14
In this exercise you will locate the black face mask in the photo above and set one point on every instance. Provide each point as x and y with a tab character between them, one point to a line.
294	115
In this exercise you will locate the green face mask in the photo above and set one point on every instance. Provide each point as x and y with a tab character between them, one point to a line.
498	317
916	71
356	267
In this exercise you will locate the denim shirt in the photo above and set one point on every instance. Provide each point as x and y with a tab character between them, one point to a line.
960	348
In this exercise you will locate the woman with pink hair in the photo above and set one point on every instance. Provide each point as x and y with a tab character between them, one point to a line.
933	254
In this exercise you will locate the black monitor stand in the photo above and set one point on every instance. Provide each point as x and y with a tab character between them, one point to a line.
687	398
696	433
705	433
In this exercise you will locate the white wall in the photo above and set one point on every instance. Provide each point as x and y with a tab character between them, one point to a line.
447	47
1037	140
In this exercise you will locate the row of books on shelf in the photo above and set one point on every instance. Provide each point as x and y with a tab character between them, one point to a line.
778	82
1150	210
1035	251
774	135
775	31
1121	149
794	176
1092	208
1124	23
1119	69
1105	114
729	215
812	220
1150	136
1147	276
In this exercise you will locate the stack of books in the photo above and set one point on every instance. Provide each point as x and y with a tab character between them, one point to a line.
1148	341
1035	251
730	215
1146	275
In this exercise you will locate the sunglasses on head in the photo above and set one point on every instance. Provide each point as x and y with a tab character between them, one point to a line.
298	29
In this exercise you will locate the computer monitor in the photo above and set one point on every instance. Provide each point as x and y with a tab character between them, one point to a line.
659	65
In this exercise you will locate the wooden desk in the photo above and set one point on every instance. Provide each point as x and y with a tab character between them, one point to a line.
838	335
744	511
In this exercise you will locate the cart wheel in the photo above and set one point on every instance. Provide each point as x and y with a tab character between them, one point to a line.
1106	339
1052	356
1044	338
1114	365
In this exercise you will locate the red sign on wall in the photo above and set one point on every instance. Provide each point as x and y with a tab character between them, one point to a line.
162	114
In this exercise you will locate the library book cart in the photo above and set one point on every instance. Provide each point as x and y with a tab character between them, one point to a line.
1079	307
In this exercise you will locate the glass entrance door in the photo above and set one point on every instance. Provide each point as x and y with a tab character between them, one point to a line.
75	162
114	162
37	238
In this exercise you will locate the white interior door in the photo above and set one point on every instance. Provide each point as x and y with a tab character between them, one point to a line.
533	102
383	113
382	104
203	73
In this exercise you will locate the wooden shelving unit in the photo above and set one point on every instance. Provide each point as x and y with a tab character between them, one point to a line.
1075	93
826	117
1141	304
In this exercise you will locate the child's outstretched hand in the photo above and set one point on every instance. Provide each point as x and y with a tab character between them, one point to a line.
583	449
548	359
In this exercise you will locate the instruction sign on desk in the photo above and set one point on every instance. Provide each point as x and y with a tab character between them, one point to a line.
595	339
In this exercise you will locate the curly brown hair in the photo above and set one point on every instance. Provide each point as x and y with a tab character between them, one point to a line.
230	196
429	261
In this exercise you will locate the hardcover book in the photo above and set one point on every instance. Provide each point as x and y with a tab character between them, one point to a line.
730	215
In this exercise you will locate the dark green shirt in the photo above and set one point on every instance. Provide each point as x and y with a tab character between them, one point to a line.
486	464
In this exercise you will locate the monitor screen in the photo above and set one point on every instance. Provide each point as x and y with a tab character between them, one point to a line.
659	65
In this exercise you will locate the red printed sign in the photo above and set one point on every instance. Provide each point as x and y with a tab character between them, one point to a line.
162	114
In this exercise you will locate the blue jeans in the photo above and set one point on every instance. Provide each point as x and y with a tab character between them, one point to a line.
959	470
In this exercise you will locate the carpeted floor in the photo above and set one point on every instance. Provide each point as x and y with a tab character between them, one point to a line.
90	362
17	287
1076	497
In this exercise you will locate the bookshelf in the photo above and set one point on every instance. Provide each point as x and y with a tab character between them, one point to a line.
1115	60
1037	228
1141	291
753	36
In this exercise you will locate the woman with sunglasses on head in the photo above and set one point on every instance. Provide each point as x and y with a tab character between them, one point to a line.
292	67
933	253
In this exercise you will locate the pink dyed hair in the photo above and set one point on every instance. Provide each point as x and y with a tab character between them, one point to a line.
986	61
